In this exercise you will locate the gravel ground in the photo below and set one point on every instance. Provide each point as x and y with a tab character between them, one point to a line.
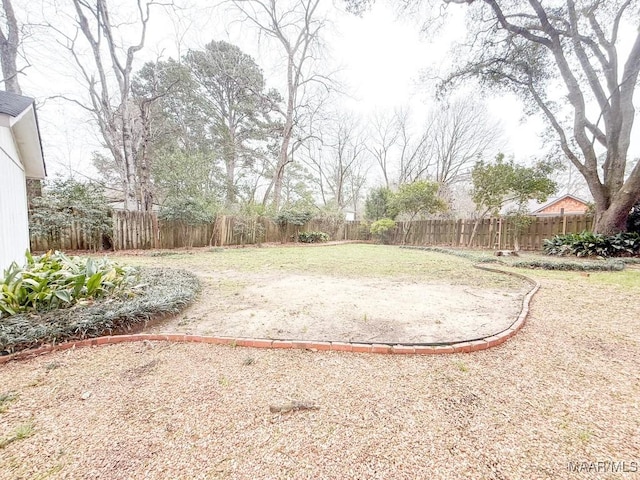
341	309
565	389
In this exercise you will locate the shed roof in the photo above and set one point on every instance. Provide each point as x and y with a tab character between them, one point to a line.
14	104
19	114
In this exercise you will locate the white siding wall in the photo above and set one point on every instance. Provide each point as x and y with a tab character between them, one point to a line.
14	227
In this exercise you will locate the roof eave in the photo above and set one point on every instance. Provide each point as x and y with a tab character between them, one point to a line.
26	132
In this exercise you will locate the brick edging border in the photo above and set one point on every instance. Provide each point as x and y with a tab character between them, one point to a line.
356	347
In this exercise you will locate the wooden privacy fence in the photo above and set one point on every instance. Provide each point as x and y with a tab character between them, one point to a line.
492	233
72	238
139	230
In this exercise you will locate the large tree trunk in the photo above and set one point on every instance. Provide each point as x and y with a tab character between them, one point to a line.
611	221
131	200
230	162
278	180
230	184
9	42
287	132
613	204
9	71
614	219
144	160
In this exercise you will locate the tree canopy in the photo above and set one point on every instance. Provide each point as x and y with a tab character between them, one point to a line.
232	91
418	198
207	124
537	49
500	182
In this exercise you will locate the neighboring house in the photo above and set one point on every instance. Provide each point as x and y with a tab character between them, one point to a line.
20	158
565	205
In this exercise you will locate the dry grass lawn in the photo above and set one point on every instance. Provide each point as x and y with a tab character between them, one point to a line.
565	389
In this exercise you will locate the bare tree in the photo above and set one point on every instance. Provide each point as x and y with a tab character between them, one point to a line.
458	133
340	166
357	181
455	134
122	122
9	43
414	161
296	27
10	38
399	151
314	160
383	138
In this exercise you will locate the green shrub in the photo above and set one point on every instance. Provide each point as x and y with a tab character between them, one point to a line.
624	244
379	204
67	202
54	280
313	237
292	217
381	229
588	244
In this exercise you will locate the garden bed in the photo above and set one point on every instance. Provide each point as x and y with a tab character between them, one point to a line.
163	292
537	261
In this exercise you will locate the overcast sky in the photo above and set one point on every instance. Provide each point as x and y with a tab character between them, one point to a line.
381	58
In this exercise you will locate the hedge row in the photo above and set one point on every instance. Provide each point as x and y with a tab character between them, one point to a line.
606	266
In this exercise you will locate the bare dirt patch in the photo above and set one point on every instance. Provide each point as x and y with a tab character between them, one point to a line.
322	307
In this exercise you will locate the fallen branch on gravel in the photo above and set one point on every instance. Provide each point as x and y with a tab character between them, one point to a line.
292	406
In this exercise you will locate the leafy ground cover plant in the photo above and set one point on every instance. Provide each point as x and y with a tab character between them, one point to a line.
588	244
55	280
535	263
160	292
